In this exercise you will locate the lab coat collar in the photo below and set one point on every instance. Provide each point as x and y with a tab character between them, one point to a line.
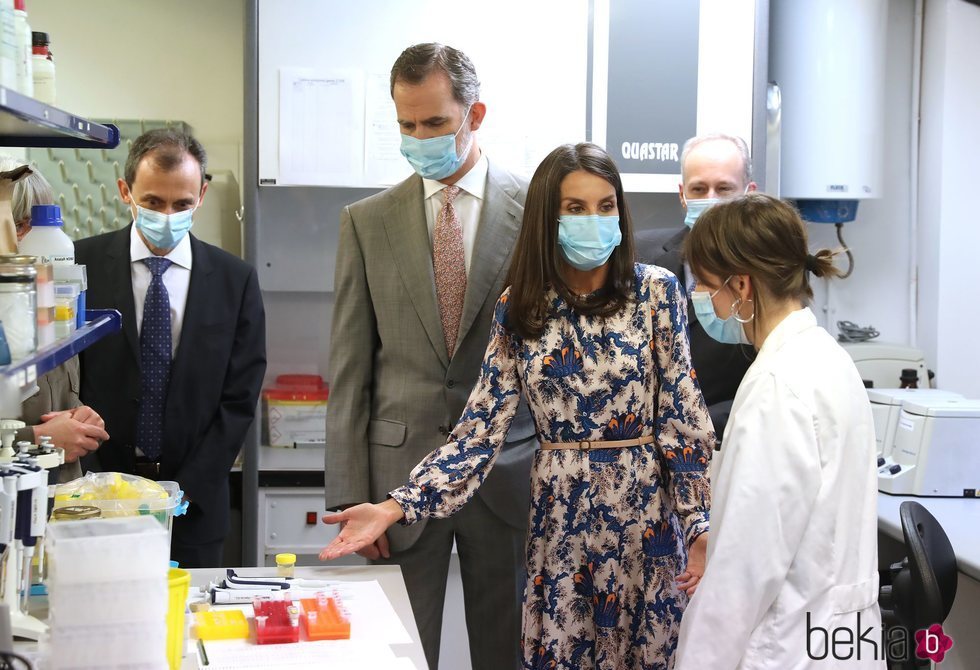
794	324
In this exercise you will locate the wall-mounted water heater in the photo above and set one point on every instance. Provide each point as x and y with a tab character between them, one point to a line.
828	58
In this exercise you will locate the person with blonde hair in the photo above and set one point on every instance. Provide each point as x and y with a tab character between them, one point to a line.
794	522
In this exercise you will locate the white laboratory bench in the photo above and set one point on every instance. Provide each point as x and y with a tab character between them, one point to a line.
388	576
959	517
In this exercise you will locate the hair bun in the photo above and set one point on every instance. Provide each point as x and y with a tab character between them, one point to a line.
812	263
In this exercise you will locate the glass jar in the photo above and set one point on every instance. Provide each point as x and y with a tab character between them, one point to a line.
76	513
18	304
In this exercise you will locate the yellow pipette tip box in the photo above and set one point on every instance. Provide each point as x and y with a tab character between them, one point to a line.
220	625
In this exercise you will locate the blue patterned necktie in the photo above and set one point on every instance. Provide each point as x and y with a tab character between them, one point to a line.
155	354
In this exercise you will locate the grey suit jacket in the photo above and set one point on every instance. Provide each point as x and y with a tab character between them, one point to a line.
394	392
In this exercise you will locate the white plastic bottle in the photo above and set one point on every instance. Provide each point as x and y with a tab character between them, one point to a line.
47	240
25	44
44	89
8	45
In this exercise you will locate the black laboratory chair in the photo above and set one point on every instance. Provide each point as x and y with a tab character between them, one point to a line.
923	585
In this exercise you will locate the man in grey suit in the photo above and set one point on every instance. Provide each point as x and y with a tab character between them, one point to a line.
419	269
713	167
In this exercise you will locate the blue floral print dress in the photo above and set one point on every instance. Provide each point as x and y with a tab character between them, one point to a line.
608	528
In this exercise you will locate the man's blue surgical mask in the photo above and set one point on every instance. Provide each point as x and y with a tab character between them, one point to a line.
436	157
164	231
695	208
588	241
726	331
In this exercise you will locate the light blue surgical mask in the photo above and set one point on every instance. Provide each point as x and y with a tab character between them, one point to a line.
436	157
164	231
587	241
695	208
726	331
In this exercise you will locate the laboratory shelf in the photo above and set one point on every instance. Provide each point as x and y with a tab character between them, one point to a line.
284	459
26	122
20	378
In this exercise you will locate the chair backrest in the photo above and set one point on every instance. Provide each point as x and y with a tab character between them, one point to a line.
924	590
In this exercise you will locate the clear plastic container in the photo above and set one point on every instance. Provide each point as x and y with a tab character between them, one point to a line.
285	564
8	45
162	509
106	550
66	302
25	49
114	602
98	647
18	304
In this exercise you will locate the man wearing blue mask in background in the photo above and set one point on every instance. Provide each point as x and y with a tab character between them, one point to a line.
178	386
419	269
713	167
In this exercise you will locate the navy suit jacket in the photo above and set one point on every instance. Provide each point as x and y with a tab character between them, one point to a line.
215	377
720	367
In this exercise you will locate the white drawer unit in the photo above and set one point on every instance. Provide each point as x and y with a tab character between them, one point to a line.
289	520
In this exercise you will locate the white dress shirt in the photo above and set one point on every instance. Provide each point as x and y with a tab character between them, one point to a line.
468	204
176	279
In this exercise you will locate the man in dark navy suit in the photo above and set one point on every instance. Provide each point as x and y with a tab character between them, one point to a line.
713	167
178	386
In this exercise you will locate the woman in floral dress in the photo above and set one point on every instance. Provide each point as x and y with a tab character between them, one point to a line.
619	490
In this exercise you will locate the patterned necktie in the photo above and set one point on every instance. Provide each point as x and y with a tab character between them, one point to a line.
449	261
155	354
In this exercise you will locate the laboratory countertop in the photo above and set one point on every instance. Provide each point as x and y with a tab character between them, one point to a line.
959	517
389	577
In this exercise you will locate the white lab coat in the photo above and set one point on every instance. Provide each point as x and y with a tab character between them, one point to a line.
794	519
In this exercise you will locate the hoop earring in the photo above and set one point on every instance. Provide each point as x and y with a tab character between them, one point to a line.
735	307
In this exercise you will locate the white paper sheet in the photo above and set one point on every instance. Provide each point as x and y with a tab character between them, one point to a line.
383	161
321	123
234	654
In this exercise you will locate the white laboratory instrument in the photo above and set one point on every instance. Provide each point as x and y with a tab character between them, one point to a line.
936	450
882	363
23	519
828	58
8	432
25	500
886	405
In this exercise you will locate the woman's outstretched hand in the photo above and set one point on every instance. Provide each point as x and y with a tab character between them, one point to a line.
696	557
361	527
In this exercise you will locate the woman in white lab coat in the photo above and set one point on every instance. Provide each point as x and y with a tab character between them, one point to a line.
792	556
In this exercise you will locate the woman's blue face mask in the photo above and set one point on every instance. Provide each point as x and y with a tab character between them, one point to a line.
587	241
436	157
726	331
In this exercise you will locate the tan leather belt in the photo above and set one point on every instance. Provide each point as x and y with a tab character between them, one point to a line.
588	445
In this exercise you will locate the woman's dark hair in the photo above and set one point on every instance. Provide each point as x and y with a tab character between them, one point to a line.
763	237
538	262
